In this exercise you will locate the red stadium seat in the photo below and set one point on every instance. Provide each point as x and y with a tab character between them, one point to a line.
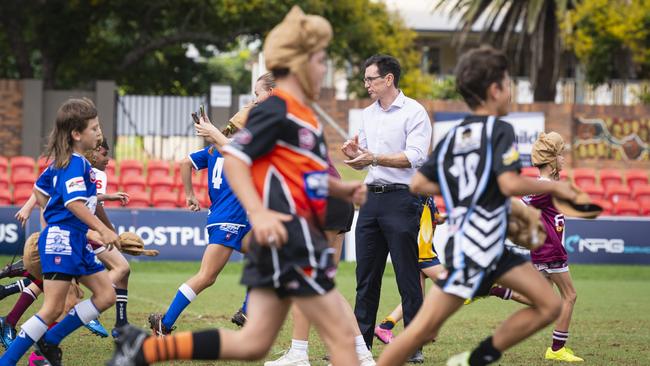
180	202
641	193
163	183
5	197
164	199
133	183
110	167
131	167
627	208
22	195
139	199
530	171
42	163
594	191
645	209
4	182
610	176
617	192
584	176
606	205
636	177
22	165
23	181
156	168
4	165
113	183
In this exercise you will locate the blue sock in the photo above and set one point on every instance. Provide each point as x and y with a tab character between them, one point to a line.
31	331
81	314
184	297
244	306
120	307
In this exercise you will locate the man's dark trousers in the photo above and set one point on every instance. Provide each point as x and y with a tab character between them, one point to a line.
387	223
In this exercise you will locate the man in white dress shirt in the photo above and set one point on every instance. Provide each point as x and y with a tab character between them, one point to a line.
392	143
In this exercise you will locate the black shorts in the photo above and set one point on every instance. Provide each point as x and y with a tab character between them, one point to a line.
304	266
339	215
473	281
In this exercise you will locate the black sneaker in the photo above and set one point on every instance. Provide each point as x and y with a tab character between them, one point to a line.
15	269
239	318
157	327
51	352
417	357
128	347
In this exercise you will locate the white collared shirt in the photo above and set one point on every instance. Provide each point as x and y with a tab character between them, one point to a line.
403	127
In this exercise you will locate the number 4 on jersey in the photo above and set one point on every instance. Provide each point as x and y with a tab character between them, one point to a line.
216	173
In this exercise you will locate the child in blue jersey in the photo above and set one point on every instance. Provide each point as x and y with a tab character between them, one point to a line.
63	247
227	226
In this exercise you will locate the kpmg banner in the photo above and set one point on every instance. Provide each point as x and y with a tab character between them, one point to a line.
177	234
527	125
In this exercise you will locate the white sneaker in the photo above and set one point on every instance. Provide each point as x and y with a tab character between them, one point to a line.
364	360
461	359
291	358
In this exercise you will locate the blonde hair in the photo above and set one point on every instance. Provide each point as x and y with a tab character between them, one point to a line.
73	115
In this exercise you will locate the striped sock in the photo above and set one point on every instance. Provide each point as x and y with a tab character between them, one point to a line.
14	288
501	292
559	339
25	300
203	345
122	296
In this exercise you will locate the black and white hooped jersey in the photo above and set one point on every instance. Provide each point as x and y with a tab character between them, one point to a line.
466	164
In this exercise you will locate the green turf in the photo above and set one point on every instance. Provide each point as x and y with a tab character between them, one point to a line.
611	323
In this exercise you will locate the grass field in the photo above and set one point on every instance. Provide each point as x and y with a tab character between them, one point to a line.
611	322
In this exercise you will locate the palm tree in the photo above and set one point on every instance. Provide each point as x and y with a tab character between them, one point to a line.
514	26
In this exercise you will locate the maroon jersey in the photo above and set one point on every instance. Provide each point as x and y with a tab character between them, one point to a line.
552	250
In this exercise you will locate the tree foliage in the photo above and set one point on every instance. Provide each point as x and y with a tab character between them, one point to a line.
611	38
142	44
527	29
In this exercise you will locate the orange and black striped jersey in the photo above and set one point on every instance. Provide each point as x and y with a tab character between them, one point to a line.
283	143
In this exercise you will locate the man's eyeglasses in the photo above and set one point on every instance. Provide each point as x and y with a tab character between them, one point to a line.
372	78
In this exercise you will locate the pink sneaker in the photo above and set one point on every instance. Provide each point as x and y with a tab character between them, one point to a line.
384	335
36	359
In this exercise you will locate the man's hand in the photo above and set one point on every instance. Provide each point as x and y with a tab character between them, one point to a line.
351	147
204	128
362	160
193	203
268	227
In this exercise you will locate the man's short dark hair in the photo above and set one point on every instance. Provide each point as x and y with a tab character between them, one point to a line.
386	65
104	144
477	69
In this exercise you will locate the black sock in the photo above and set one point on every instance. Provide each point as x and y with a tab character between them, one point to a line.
484	354
120	307
14	288
207	345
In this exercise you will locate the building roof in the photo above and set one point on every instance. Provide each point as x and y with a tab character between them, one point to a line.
421	16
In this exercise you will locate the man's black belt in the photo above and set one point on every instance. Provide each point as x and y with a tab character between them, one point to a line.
385	188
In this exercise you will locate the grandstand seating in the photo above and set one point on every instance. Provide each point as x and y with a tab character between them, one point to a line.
131	167
163	183
594	191
584	176
610	176
617	192
530	171
620	192
22	165
627	208
139	199
42	163
157	168
133	183
164	199
636	177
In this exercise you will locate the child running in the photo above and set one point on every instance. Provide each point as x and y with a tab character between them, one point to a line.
63	247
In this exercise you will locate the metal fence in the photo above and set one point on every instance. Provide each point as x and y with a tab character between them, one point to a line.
156	127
